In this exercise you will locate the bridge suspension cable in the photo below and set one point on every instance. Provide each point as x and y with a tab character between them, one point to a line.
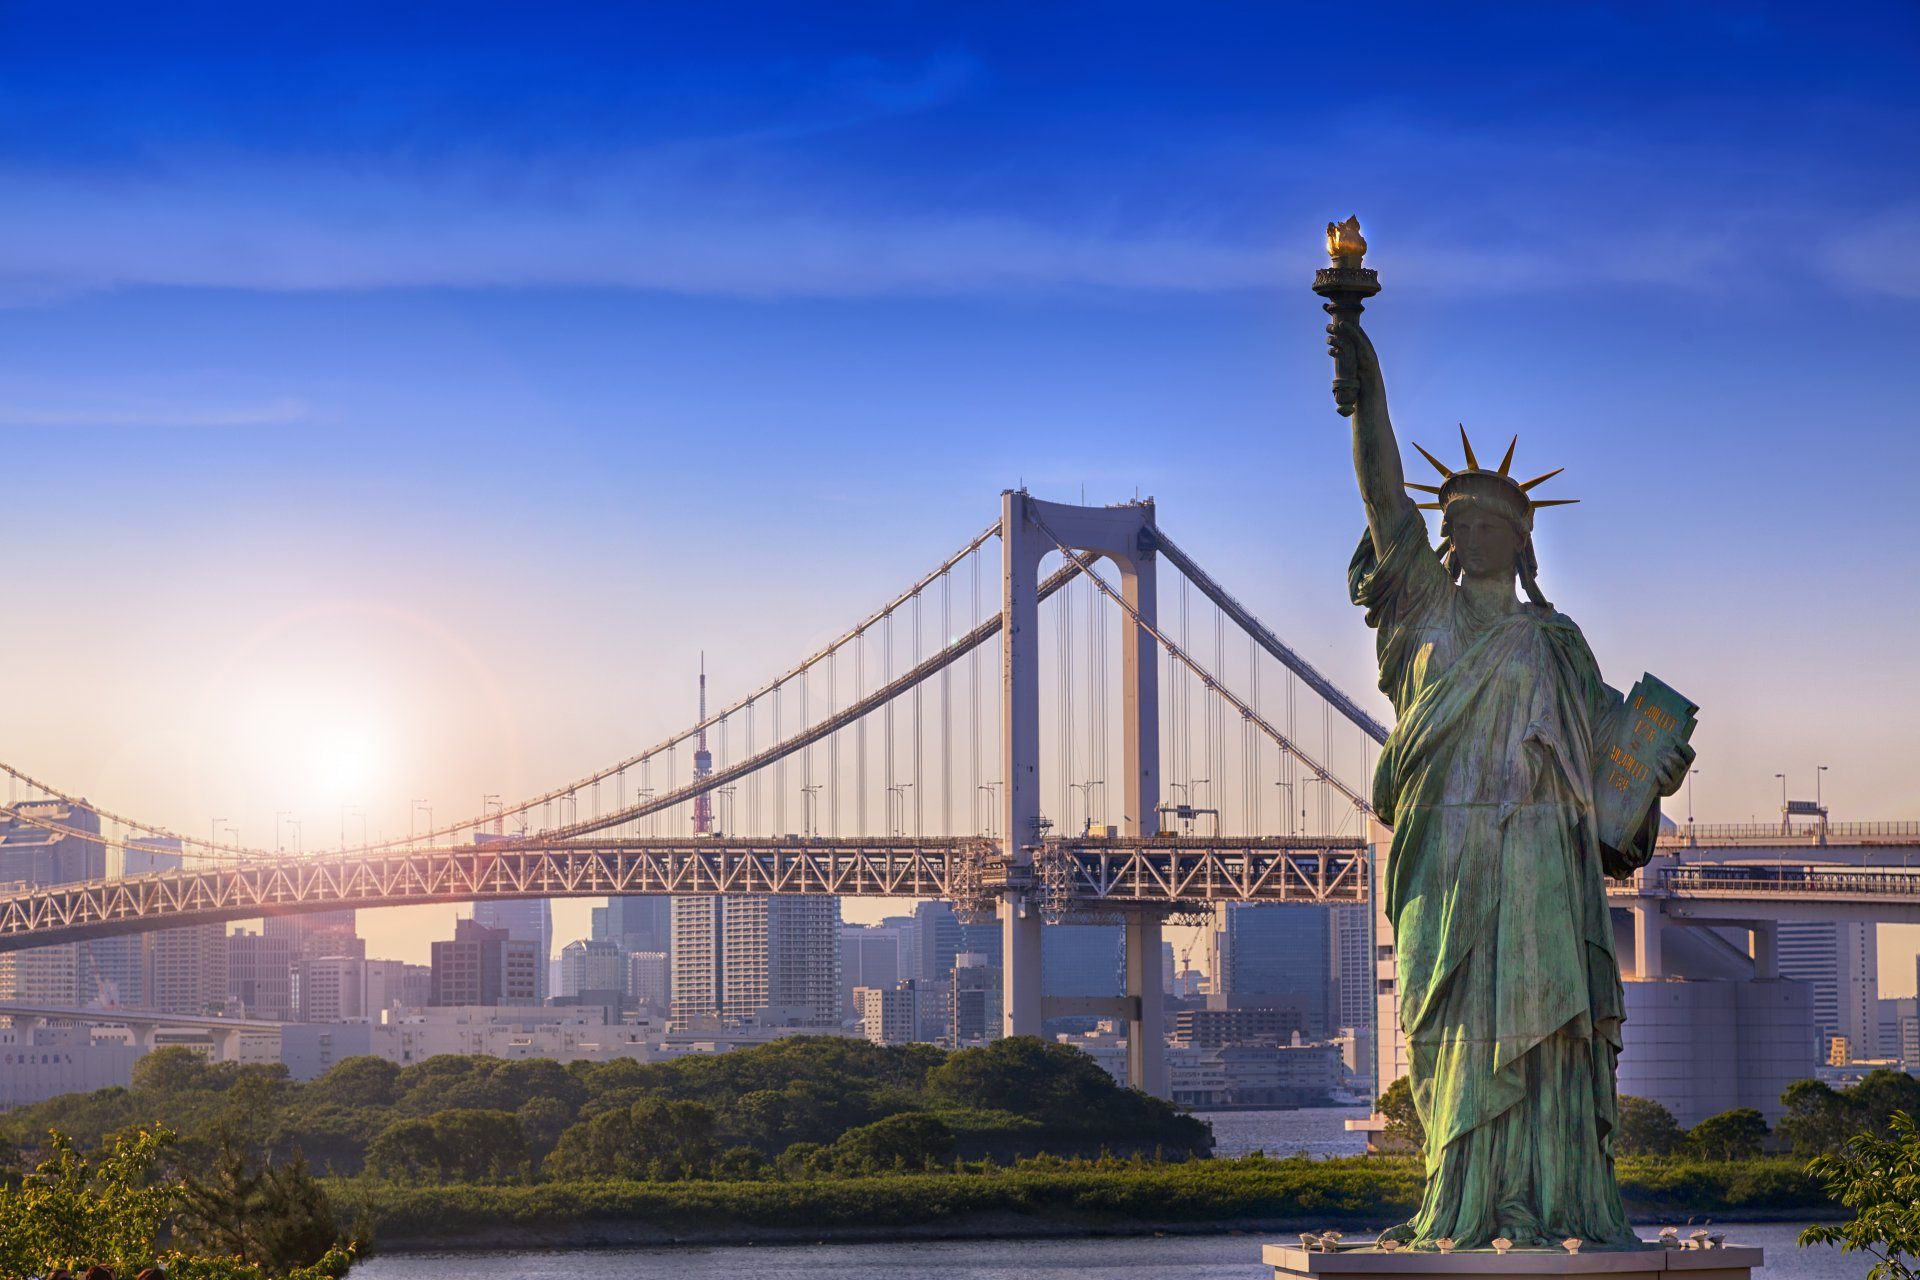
1085	562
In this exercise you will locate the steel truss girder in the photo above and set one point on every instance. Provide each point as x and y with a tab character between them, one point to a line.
1169	872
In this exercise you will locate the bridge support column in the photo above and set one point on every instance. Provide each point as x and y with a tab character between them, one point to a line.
1146	1029
1020	965
1021	546
1649	923
1765	949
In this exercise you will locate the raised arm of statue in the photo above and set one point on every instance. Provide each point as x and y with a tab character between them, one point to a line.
1376	454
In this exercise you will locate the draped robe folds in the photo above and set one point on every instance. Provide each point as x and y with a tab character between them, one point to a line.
1510	994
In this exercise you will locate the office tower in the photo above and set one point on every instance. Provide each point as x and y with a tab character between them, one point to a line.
525	920
416	986
30	854
870	956
483	966
649	981
1839	961
635	922
260	975
974	1001
937	938
1277	956
588	966
187	970
315	934
755	961
348	989
1083	960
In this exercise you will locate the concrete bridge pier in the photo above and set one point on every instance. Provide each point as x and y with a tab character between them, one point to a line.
1146	996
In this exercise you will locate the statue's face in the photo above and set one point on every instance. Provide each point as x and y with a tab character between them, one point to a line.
1489	544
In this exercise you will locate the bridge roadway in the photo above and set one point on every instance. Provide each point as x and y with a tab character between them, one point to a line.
1076	874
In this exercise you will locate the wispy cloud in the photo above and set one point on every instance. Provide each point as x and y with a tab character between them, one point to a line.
270	413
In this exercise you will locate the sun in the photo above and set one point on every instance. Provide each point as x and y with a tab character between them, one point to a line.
346	760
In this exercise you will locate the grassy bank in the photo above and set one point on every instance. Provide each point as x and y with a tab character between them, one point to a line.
1250	1192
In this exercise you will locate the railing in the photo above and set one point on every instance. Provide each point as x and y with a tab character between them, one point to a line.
1789	881
1762	833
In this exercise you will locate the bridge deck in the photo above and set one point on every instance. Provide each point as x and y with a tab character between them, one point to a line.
1081	873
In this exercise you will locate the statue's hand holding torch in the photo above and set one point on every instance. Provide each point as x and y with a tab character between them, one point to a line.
1346	286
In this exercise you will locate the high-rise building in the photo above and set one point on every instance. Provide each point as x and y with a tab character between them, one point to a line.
649	981
1083	960
187	970
870	956
349	989
588	966
1280	955
30	854
524	919
635	922
974	1001
315	934
1838	959
755	961
483	966
260	975
937	939
889	1015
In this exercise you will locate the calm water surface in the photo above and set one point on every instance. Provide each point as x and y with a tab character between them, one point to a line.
1235	1257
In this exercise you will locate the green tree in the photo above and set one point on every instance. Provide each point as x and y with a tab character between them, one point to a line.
1404	1128
357	1082
1731	1135
650	1139
479	1145
542	1121
407	1150
1818	1119
72	1212
913	1140
1646	1129
275	1217
1882	1094
172	1071
1879	1180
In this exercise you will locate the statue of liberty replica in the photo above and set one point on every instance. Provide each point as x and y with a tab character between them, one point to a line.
1505	780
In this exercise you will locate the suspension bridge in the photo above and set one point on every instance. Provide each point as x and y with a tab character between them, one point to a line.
1143	749
1120	761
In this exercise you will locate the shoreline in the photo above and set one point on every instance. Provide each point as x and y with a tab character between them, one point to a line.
562	1237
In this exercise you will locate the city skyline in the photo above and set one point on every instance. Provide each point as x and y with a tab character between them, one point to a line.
413	451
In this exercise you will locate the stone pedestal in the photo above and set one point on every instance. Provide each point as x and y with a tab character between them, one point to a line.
1735	1262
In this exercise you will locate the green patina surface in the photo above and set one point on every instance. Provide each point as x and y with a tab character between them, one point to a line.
1510	993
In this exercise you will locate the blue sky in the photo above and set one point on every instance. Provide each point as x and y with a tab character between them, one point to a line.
576	340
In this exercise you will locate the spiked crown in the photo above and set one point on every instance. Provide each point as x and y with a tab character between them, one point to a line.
1495	489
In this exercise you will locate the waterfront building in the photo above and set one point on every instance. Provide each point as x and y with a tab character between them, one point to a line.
1083	960
260	975
1300	1075
1256	1024
1839	960
483	966
743	961
587	965
1280	955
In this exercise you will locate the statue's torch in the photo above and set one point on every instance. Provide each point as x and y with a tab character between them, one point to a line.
1346	286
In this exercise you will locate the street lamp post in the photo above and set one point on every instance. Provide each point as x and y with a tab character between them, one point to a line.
1786	828
1289	809
809	807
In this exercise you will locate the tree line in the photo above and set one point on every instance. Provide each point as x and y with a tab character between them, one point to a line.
801	1106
